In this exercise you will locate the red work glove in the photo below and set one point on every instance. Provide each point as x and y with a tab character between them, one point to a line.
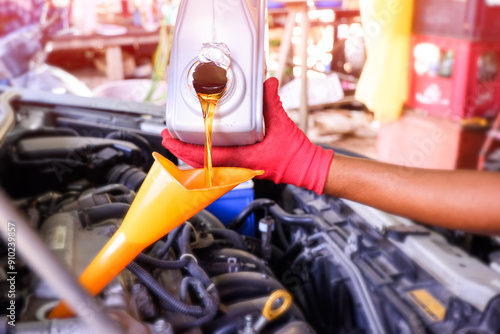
286	154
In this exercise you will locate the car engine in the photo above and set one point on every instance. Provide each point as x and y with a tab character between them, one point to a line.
73	165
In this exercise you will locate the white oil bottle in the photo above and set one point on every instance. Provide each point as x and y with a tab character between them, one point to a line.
241	25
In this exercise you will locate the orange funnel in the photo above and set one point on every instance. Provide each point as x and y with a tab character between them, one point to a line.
168	197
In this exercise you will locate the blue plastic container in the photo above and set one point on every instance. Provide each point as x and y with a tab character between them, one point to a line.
230	205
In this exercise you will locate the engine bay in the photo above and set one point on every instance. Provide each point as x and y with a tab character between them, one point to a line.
73	165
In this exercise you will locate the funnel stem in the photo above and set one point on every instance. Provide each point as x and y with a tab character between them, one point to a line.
110	261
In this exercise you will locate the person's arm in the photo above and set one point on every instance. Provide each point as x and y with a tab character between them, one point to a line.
464	200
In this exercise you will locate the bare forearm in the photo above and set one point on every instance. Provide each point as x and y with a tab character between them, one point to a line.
464	200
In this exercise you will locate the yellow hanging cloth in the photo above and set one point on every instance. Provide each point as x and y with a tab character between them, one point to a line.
383	85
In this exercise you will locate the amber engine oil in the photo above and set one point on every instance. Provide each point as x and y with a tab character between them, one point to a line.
241	27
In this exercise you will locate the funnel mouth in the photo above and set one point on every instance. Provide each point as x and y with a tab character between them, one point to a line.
194	180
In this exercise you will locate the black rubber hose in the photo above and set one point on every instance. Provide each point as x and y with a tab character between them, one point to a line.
162	264
184	238
306	220
173	303
138	140
301	258
185	248
233	236
113	189
196	271
118	192
210	303
281	235
210	221
277	212
254	246
170	240
244	285
196	284
130	176
186	281
99	213
291	253
259	203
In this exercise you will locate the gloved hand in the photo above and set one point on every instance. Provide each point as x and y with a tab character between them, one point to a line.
286	154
